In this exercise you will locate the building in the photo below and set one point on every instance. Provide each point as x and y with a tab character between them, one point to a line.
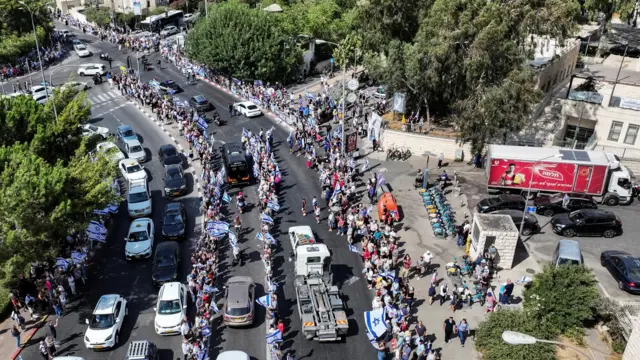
553	61
121	6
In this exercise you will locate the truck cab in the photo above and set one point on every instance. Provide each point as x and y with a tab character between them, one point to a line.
313	260
301	235
619	187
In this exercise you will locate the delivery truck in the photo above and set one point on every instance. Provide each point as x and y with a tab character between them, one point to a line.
531	171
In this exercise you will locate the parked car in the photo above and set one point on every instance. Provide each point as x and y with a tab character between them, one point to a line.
530	226
625	269
587	222
239	307
166	263
551	205
501	202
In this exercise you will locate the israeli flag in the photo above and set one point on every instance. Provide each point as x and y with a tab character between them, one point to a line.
202	355
259	236
205	331
209	289
336	191
266	218
353	248
274	337
388	274
380	180
365	166
96	237
270	239
272	286
245	132
62	263
264	301
154	83
226	198
220	178
270	131
223	173
78	256
217	232
202	123
256	171
372	339
216	192
221	225
374	320
214	307
233	239
268	148
273	206
101	212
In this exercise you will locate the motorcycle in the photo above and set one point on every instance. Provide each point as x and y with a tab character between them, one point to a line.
97	80
104	56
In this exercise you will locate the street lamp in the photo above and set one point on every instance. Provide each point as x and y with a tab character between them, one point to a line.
517	338
344	96
533	168
35	35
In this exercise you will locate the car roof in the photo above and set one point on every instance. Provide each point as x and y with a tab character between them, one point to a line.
170	291
238	296
233	355
198	98
173	206
105	304
597	213
173	168
167	246
510	197
129	162
124	127
139	223
132	142
232	147
166	147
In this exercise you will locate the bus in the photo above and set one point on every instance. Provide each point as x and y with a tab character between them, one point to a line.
236	164
155	23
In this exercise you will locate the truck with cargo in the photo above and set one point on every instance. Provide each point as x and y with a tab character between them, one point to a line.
320	304
531	171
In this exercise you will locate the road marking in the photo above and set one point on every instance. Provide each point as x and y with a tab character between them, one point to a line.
117	119
108	111
352	280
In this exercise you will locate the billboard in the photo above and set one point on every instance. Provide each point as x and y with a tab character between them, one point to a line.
137	7
352	142
548	176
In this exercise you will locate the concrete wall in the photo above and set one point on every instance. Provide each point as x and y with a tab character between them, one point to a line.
559	68
632	351
419	144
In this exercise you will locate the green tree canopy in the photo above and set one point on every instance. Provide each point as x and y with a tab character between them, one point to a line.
562	298
16	32
245	43
322	19
49	182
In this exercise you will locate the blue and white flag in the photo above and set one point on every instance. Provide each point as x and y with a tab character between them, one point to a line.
353	248
365	166
224	226
273	206
222	173
202	355
374	320
205	331
388	274
274	337
78	256
62	263
380	180
336	191
216	192
245	132
214	307
259	236
268	148
220	177
270	239
266	218
96	237
209	289
372	340
226	198
256	171
272	286
265	301
233	239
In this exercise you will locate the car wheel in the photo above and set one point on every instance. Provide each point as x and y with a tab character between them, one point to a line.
117	338
620	285
612	201
81	74
609	234
569	233
526	232
602	262
548	213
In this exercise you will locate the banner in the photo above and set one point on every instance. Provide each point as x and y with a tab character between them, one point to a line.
374	126
137	8
352	142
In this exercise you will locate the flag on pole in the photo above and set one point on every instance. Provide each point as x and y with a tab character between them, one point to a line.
233	239
353	248
259	236
214	307
273	206
226	198
245	132
272	286
374	320
266	218
365	166
217	192
336	191
265	301
274	337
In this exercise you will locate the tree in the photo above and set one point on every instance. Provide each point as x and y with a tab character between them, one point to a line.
245	43
489	341
101	16
321	19
562	298
16	34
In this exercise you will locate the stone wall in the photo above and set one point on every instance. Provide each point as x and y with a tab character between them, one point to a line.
419	144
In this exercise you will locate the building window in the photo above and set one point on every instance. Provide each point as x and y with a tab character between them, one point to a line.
632	133
616	130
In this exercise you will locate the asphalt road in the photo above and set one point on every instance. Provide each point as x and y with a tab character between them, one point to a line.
113	275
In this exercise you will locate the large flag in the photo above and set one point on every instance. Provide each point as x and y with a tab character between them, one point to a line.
365	166
274	337
214	307
259	236
266	218
273	206
202	123
336	191
265	301
226	198
269	238
374	320
233	239
245	132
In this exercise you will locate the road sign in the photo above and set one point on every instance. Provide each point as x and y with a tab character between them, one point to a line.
352	97
353	84
531	209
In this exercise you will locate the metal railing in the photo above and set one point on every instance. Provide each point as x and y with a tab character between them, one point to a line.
621	152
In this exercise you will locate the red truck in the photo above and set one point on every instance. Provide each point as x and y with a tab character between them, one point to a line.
530	171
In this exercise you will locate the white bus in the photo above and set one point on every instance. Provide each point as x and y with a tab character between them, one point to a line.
155	23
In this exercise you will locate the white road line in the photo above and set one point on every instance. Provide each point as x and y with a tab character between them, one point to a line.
117	119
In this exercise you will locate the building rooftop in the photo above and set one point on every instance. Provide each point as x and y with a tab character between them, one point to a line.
493	222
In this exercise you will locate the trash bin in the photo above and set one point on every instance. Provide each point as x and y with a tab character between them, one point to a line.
459	155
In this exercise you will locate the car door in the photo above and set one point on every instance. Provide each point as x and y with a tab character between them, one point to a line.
126	149
123	169
242	109
183	299
150	231
118	314
252	293
587	227
618	269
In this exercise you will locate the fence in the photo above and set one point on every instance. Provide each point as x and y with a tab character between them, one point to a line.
622	153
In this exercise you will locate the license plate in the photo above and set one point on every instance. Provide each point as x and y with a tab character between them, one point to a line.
138	256
99	347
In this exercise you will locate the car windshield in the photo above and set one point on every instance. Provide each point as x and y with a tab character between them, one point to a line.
168	307
164	261
80	47
102	321
169	152
174	175
577	216
494	201
138	197
92	128
238	311
173	219
634	273
252	107
133	169
135	149
136	236
128	133
563	261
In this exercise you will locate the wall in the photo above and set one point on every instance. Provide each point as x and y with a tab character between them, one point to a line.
558	69
419	144
632	351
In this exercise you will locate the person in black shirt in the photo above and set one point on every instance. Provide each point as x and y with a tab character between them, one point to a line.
448	328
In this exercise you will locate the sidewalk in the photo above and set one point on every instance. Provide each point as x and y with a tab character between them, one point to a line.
8	343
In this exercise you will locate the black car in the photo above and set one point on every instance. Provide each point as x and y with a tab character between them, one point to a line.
175	220
200	103
166	263
625	269
501	202
169	155
170	86
551	205
530	226
588	222
175	184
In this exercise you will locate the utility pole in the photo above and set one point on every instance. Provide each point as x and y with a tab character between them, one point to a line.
206	9
618	75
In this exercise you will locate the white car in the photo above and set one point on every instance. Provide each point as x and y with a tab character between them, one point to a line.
92	69
76	85
134	150
41	98
105	323
90	130
132	170
39	89
233	355
169	30
111	150
140	239
82	51
171	308
247	108
139	199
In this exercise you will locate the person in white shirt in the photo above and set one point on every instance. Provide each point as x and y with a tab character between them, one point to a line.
186	348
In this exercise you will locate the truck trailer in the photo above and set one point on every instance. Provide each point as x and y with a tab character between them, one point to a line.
530	171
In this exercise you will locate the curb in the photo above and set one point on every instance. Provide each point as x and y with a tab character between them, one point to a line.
30	334
143	110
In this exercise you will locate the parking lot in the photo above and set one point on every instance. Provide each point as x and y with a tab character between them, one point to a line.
543	244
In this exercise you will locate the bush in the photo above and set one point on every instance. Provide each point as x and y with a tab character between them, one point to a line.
489	337
562	298
609	312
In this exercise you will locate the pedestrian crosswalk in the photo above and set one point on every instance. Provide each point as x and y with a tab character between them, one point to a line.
99	99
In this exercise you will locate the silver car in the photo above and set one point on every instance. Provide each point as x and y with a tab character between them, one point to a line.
238	309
